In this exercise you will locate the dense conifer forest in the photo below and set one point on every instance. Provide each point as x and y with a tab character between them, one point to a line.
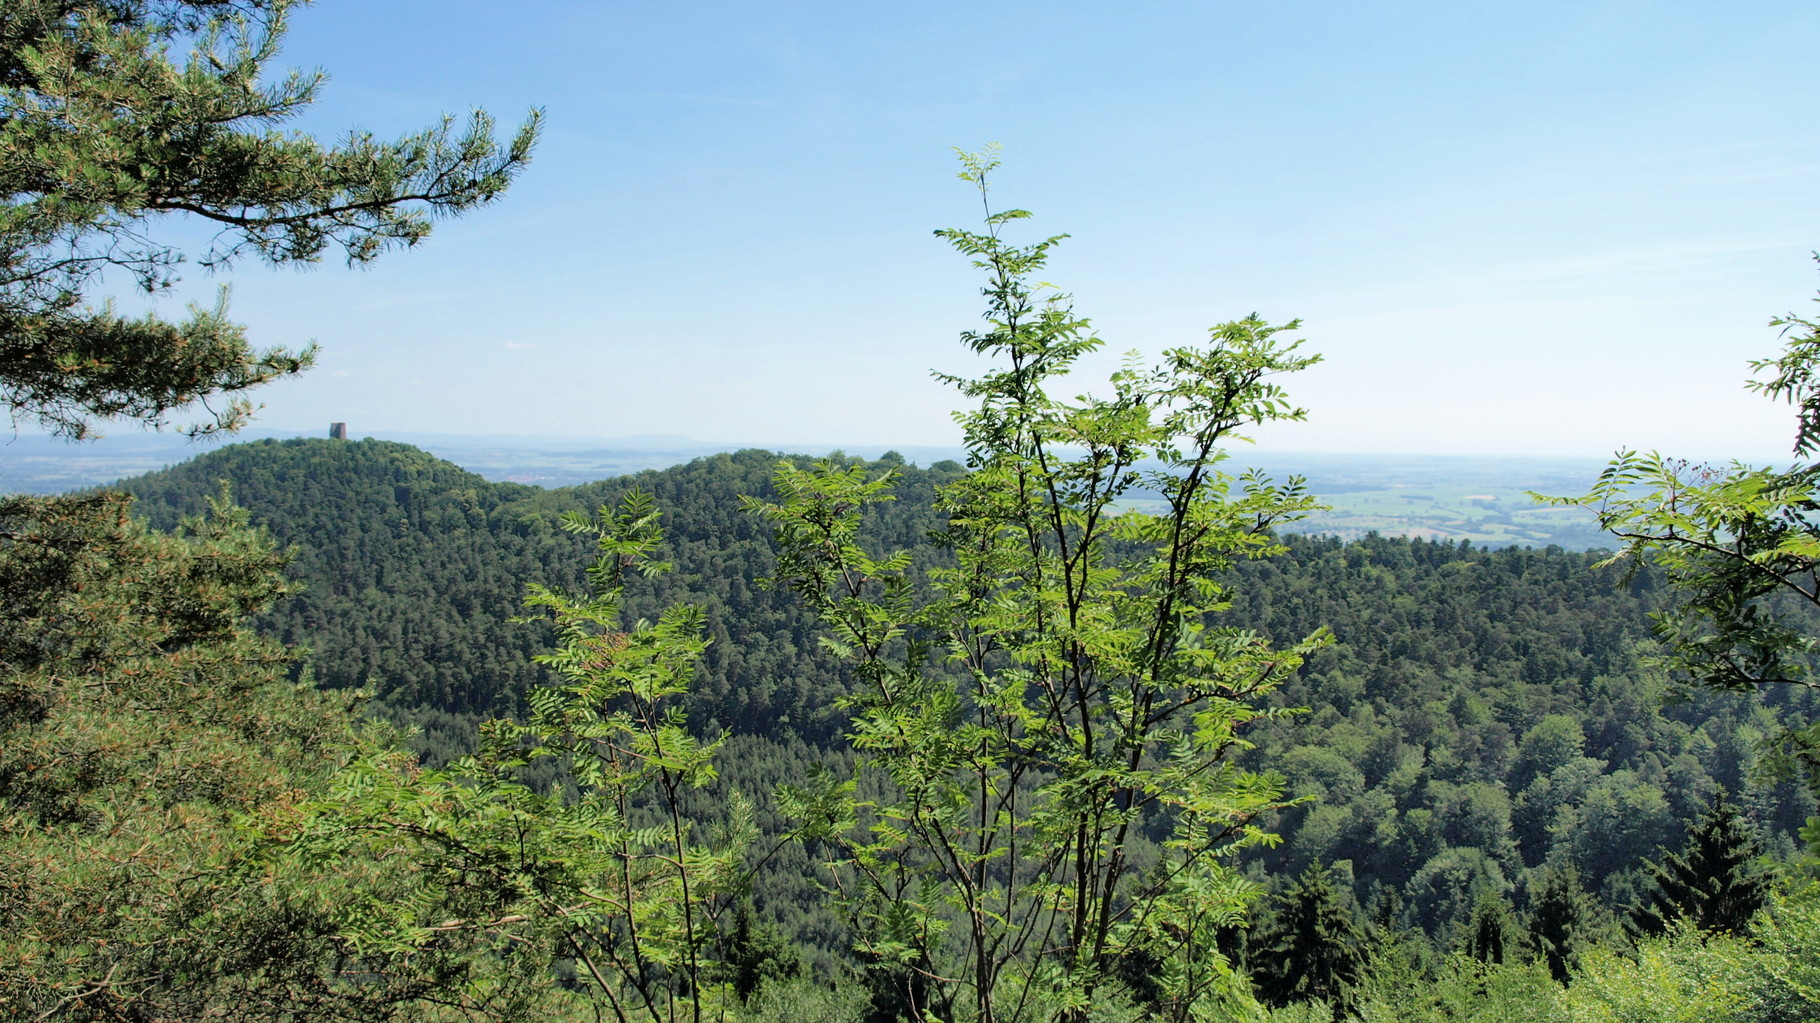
1072	733
1488	732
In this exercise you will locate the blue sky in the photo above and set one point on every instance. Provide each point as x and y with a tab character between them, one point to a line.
1512	228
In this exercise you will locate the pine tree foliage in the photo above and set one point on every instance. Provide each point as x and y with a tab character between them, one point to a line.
1562	919
142	724
755	954
1492	935
1311	948
118	114
1713	882
153	748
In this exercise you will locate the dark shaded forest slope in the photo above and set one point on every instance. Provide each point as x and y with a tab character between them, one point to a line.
1484	714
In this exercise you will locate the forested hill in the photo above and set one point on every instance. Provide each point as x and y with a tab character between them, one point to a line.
1483	713
410	571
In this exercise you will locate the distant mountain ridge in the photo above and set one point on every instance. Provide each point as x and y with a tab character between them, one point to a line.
1483	713
411	568
1437	497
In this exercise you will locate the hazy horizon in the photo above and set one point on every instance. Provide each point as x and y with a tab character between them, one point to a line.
659	442
1554	228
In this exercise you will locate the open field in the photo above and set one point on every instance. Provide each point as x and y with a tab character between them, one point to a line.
1496	516
1484	500
1437	497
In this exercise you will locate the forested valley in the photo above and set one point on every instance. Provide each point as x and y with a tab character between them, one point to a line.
1078	731
1488	739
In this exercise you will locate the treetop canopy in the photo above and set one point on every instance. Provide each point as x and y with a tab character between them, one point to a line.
115	114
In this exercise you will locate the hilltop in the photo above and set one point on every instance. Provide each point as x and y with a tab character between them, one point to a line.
1483	713
1435	497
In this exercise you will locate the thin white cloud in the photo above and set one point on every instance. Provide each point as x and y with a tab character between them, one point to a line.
338	373
519	346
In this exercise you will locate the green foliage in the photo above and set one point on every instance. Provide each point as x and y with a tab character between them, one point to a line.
105	131
1311	949
1729	539
1053	722
1712	883
1685	977
1791	379
150	741
1555	742
1457	674
1492	936
756	955
1452	664
1444	890
410	573
607	879
141	723
801	998
1562	920
1483	716
1740	546
1462	990
1785	980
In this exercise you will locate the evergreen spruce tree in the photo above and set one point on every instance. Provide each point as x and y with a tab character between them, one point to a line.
1396	955
1711	882
755	953
1491	936
1560	919
1310	948
1389	936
